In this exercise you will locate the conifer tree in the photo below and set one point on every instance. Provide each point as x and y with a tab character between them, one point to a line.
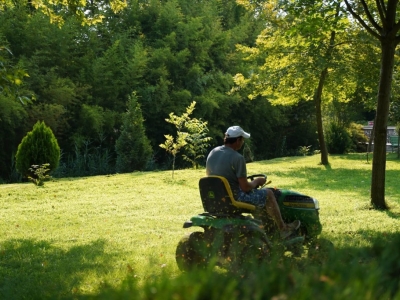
133	147
38	147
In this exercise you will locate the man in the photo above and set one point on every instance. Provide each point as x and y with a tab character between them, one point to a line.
225	161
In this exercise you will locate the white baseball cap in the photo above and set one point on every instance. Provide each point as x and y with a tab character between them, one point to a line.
236	131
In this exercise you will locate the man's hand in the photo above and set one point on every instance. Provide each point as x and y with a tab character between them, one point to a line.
259	181
246	186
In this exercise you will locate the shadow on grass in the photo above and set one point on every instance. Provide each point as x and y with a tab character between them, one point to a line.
32	269
362	157
357	181
392	215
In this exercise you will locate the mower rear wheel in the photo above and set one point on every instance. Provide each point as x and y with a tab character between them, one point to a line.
190	253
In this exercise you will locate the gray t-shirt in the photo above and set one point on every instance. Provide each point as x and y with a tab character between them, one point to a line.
226	162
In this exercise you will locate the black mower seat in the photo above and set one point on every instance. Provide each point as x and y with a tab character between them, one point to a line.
217	197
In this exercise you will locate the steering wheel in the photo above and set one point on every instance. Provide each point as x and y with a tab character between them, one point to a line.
251	177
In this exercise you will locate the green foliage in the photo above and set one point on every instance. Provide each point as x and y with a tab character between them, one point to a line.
174	145
54	10
247	153
197	141
12	116
191	135
38	147
290	55
304	150
340	276
358	137
338	139
132	147
39	175
91	117
11	76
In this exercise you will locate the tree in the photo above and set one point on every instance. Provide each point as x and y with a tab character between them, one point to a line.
196	141
132	147
39	147
190	134
174	145
300	55
380	20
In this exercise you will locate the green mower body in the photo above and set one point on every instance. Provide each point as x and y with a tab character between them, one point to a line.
296	206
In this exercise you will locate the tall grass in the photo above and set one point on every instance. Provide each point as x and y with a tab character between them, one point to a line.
86	161
114	236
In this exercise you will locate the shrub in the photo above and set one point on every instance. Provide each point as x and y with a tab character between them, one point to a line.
40	175
338	139
358	138
38	147
132	147
196	141
304	150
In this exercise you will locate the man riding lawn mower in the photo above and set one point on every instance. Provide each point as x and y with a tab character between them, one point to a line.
239	217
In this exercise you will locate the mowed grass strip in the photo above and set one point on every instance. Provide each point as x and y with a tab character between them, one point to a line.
74	235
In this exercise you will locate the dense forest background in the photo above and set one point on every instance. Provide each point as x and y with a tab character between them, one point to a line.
166	54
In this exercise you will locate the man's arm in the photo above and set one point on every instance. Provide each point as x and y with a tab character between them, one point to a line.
246	186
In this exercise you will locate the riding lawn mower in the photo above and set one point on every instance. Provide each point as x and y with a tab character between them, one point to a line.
235	233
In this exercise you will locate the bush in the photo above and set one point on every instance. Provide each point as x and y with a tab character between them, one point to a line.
338	139
358	138
38	147
39	173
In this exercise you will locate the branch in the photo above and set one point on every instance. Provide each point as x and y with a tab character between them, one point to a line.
358	18
370	17
382	11
342	43
383	5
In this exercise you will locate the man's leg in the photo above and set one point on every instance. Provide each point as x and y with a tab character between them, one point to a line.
264	198
274	211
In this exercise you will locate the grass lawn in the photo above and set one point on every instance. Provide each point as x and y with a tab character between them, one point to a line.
74	236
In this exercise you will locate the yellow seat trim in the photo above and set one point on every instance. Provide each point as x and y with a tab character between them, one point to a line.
228	189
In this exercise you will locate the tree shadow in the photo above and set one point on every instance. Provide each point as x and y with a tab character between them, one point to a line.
339	179
31	269
362	157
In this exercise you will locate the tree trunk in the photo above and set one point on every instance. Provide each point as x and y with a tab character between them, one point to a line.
371	139
380	135
318	114
318	101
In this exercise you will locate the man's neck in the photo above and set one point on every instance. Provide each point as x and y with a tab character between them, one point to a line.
230	146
